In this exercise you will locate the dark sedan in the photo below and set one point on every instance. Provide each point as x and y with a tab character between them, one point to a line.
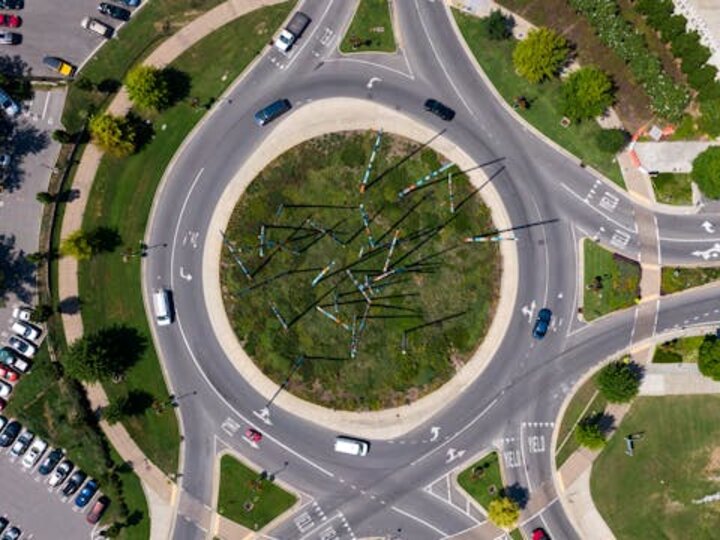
439	109
542	324
116	12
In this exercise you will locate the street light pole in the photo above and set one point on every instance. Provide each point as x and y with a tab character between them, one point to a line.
264	413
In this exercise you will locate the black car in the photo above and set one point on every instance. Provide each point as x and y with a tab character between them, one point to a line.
439	109
10	434
74	483
52	459
3	523
116	12
11	4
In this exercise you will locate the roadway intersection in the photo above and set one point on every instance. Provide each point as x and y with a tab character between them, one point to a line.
397	491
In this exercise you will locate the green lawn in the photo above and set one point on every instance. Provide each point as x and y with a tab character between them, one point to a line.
371	29
495	57
673	188
677	462
327	171
154	23
240	485
679	350
483	486
679	279
586	402
611	282
54	408
110	288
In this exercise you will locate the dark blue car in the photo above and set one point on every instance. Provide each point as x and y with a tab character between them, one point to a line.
542	324
272	111
86	494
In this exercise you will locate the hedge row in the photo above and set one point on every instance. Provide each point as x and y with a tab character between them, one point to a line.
685	45
668	100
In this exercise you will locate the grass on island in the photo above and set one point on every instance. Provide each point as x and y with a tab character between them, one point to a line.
587	401
677	462
246	498
327	171
109	288
54	409
495	58
611	281
371	29
151	25
673	188
679	350
678	279
482	480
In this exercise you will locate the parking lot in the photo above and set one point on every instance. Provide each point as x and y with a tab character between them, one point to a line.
53	28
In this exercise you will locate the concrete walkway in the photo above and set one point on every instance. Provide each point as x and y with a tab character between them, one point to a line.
676	380
151	476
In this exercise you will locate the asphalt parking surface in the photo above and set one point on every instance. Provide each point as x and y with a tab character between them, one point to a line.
53	29
38	510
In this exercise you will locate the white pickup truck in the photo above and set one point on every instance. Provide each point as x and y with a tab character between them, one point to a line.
292	31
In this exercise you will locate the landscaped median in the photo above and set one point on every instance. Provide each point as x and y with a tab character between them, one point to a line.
676	279
610	281
371	28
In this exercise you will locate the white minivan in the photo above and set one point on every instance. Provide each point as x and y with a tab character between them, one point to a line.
351	446
161	306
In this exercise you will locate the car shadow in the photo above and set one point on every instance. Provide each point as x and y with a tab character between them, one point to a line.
17	274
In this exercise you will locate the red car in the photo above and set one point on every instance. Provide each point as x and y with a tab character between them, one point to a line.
8	374
253	435
540	534
97	510
11	21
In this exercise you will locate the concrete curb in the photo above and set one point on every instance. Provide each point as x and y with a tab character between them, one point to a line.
306	122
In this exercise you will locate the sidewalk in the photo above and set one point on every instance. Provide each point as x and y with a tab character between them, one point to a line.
676	380
151	476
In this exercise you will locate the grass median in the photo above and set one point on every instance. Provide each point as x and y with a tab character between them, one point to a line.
371	29
611	281
678	279
673	188
495	58
679	350
110	289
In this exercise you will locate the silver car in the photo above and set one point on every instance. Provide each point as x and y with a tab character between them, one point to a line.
8	38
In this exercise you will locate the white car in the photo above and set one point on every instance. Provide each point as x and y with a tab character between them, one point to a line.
22	313
8	105
98	27
34	453
25	330
5	389
61	473
22	346
22	443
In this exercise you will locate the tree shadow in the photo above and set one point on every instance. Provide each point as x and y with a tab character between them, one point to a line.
517	493
24	140
178	83
17	274
104	239
123	344
604	421
70	305
138	401
68	195
109	86
14	66
144	131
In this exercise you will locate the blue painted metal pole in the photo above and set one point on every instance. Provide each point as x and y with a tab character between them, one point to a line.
425	179
368	169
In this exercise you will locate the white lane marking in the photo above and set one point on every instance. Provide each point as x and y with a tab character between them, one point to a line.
528	311
374	64
372	81
522	453
536	514
453	454
310	37
47	102
419	520
435	431
192	354
186	277
710	253
709	227
603	214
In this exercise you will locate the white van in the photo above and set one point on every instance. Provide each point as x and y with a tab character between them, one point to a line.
161	306
351	446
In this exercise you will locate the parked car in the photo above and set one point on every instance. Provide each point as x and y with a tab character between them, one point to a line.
10	359
9	106
11	21
9	374
540	534
97	510
11	4
5	160
21	313
12	534
3	422
9	38
61	473
22	346
8	436
542	324
131	3
33	455
111	10
22	443
86	493
3	404
52	459
25	330
98	27
59	65
439	109
3	523
5	389
74	483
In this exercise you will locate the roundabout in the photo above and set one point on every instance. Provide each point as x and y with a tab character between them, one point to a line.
508	395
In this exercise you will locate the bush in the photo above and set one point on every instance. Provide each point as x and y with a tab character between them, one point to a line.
77	245
589	434
541	55
61	136
710	117
618	382
612	140
498	26
114	134
504	512
702	77
709	358
586	93
706	172
114	412
41	313
147	87
663	356
43	197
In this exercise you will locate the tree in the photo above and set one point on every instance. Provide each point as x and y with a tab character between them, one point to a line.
586	93
710	119
504	512
114	134
612	140
589	434
36	257
706	172
115	410
41	313
61	136
105	354
43	197
619	381
541	55
77	245
498	26
147	87
709	357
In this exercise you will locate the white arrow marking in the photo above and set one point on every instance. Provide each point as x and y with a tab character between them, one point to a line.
264	415
529	310
711	253
251	443
435	431
453	454
709	227
372	81
184	275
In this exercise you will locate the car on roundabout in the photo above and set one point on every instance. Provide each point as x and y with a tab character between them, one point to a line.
439	109
253	435
540	534
542	324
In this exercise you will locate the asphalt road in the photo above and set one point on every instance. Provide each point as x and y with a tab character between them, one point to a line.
513	405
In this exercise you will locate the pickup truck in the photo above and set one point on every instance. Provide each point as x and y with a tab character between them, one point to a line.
292	31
